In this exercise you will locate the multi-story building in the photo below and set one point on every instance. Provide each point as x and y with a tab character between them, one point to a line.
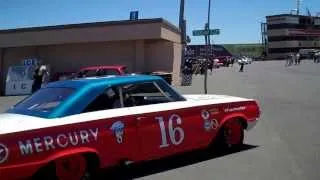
288	33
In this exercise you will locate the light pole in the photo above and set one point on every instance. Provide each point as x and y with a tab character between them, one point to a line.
207	38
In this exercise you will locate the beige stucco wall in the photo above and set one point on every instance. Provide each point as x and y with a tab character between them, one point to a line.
81	35
158	54
176	78
143	46
138	56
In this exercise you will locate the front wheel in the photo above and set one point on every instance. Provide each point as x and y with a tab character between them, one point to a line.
68	168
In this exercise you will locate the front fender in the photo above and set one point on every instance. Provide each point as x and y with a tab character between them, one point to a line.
69	152
30	168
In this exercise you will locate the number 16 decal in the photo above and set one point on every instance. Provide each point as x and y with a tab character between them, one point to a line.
172	131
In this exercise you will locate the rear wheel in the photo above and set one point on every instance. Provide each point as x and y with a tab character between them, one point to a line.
231	135
68	168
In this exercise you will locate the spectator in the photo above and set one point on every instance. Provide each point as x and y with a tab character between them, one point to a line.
232	61
241	63
39	75
317	57
210	66
298	58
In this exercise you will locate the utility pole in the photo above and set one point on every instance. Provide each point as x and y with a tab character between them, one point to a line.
182	27
207	27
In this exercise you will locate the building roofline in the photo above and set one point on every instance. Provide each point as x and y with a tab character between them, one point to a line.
93	24
293	15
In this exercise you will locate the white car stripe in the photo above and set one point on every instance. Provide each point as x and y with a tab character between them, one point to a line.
10	123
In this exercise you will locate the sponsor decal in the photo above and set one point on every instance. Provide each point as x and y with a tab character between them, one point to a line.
214	111
241	108
205	114
62	140
209	124
4	153
118	131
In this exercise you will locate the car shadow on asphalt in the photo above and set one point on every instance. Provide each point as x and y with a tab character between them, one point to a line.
169	163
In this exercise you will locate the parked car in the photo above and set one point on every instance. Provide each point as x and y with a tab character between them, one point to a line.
245	60
102	71
307	53
59	76
90	71
69	129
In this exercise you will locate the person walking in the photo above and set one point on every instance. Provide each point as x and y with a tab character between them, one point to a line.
241	63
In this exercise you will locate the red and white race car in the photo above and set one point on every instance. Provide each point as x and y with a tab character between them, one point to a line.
69	129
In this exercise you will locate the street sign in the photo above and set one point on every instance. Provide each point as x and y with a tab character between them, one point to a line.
206	32
134	15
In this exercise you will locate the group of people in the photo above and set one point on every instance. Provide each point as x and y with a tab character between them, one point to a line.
198	66
294	58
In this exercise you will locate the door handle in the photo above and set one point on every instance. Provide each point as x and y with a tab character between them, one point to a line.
141	117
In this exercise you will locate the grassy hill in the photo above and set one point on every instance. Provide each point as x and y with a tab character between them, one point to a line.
253	50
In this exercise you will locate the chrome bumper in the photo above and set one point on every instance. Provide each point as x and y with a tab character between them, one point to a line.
252	124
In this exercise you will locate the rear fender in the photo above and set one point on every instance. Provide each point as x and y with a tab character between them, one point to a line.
234	116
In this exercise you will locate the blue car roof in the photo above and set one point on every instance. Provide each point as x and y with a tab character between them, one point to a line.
85	91
103	81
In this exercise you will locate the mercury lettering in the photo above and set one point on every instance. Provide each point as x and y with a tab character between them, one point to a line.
61	140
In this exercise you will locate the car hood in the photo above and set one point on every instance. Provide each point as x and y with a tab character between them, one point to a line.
10	123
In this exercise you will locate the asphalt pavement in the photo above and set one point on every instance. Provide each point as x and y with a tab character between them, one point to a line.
284	145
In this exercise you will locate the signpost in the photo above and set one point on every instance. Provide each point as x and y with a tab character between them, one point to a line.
206	33
134	15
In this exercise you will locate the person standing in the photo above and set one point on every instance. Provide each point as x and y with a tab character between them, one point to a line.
298	58
317	57
210	66
241	63
38	77
232	61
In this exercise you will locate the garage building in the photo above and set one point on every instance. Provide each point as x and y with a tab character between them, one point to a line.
144	45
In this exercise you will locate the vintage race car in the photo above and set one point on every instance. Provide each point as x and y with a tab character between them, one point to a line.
69	129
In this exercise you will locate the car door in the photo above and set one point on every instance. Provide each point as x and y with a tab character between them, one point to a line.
118	128
162	131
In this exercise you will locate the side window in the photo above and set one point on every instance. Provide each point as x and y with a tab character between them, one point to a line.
169	91
109	99
143	94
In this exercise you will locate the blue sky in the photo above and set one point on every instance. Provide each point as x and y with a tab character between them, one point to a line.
239	21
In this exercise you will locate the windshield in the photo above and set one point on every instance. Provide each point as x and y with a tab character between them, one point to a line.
43	102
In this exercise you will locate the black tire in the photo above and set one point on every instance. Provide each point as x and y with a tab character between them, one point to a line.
49	173
222	143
